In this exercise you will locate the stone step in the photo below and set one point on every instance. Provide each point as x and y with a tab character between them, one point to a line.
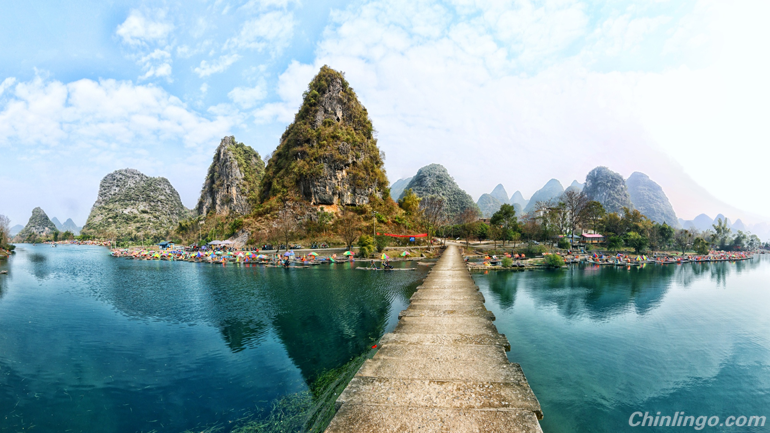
440	393
469	297
445	325
489	339
434	312
394	368
441	353
366	418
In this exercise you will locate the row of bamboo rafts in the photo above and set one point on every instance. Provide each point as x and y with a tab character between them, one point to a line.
221	259
666	261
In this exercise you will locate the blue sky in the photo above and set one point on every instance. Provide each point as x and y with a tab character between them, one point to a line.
511	92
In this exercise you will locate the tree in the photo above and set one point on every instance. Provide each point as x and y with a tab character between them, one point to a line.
469	216
682	239
612	223
348	226
286	225
722	233
505	218
665	234
410	203
365	245
5	230
593	212
614	243
575	204
701	246
636	241
434	213
381	242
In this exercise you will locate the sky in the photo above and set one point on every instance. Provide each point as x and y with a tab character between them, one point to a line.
511	92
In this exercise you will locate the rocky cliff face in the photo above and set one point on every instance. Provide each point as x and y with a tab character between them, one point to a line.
648	197
608	188
329	154
131	204
398	188
488	204
38	225
434	179
551	191
232	182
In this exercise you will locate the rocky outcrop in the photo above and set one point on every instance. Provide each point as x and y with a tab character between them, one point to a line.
649	199
232	182
434	179
608	188
39	225
131	204
551	191
488	204
328	155
398	188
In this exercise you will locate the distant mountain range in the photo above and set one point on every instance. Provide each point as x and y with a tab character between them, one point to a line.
68	225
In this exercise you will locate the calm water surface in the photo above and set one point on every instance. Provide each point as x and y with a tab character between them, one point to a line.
93	343
598	344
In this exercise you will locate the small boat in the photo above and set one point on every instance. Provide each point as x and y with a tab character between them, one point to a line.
3	272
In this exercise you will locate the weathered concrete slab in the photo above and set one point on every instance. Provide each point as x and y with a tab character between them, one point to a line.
361	418
443	369
440	394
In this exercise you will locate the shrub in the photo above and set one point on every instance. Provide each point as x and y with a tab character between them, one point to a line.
507	262
382	242
564	244
533	250
365	245
554	261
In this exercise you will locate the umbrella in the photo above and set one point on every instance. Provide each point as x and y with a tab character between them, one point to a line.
405	253
261	256
219	253
313	254
288	254
348	253
385	256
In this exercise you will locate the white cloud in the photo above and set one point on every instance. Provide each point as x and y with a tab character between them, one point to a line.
6	84
156	64
45	114
261	5
220	65
139	29
291	84
271	31
247	97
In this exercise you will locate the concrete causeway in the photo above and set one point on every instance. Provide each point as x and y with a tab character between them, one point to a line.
443	369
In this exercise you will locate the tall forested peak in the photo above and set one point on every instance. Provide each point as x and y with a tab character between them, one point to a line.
38	225
488	205
500	193
649	199
328	155
608	188
551	191
131	204
398	187
233	179
434	179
